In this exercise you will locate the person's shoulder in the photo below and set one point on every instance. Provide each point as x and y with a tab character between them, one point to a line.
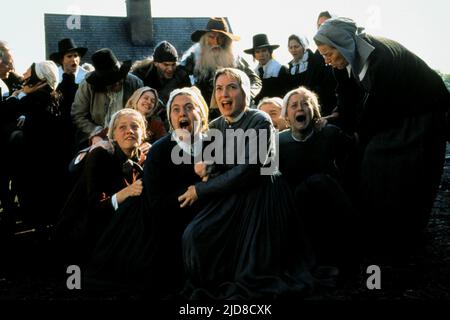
259	115
217	122
142	66
285	136
161	143
134	80
100	152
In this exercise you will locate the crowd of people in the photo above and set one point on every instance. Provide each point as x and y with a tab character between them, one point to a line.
203	178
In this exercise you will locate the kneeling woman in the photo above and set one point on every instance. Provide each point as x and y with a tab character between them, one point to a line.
309	157
246	242
110	176
140	252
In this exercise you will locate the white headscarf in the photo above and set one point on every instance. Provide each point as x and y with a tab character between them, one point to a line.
47	70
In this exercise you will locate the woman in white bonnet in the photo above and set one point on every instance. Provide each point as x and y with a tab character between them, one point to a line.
34	113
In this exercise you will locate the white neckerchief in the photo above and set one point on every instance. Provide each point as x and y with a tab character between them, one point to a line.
271	69
302	140
80	74
193	149
303	64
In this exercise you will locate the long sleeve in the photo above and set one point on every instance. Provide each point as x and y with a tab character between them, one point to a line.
80	111
240	176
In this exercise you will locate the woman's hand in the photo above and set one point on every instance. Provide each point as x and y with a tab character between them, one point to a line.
133	190
200	170
145	147
188	198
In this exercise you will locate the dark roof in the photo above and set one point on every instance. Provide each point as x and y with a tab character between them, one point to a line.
98	32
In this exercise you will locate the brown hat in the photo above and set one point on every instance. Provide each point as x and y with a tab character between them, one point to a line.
260	41
215	25
108	69
64	46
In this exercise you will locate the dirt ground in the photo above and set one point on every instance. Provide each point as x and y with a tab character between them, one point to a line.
25	275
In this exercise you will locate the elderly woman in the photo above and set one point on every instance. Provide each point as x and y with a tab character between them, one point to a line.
111	176
309	154
397	106
272	106
307	69
246	242
141	248
145	100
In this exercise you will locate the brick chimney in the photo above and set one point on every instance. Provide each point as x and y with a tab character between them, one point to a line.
140	19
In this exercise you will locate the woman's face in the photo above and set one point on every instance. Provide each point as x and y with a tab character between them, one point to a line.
299	113
128	133
295	49
184	114
273	111
229	96
146	103
332	56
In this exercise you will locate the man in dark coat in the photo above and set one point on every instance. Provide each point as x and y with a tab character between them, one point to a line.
274	75
399	117
103	92
162	72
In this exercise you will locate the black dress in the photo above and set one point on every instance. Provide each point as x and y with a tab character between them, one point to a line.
88	210
401	124
311	169
247	241
140	251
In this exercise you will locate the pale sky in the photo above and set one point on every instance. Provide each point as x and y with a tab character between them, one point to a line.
421	26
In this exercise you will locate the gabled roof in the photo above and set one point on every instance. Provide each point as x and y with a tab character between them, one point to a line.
98	32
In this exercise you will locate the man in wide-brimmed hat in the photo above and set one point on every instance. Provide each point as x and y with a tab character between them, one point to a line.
212	51
68	58
272	73
104	91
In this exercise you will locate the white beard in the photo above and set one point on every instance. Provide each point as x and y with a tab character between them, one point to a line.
209	61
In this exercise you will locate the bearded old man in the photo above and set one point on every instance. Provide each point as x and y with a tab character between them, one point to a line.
213	51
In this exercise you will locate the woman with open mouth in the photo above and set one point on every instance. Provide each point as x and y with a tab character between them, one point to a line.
246	241
309	157
140	251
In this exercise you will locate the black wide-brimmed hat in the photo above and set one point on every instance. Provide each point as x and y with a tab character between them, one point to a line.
108	70
261	41
215	25
64	46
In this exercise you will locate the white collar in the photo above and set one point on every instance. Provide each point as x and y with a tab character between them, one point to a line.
80	74
236	119
363	72
271	69
193	149
302	140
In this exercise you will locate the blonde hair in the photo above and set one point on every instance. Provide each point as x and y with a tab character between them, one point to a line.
137	94
124	112
274	100
309	96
